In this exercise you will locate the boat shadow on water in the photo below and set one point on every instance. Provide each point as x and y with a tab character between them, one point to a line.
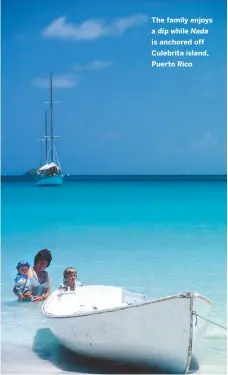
48	348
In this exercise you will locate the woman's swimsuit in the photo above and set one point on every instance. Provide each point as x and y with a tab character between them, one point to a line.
39	287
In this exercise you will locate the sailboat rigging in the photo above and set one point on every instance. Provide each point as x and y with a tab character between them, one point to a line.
50	174
46	138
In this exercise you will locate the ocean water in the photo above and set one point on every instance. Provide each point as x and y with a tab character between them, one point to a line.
154	237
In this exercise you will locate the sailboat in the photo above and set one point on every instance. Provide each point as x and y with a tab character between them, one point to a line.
50	173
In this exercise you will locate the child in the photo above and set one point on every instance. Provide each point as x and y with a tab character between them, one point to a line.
22	287
69	279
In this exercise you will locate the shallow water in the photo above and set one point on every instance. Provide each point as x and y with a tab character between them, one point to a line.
157	238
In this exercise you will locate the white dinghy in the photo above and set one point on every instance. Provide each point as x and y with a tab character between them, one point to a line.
111	323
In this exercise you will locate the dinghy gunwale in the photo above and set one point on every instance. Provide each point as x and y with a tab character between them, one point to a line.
187	295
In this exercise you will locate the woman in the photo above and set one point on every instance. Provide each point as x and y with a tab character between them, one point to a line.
39	277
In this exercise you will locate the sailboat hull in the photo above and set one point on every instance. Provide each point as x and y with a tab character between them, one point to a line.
56	180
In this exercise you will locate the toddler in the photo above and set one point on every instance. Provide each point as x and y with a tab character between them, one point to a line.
69	279
22	287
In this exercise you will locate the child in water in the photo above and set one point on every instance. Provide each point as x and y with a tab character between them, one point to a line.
22	287
69	279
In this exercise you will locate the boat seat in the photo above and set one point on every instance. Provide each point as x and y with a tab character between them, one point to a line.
88	298
101	297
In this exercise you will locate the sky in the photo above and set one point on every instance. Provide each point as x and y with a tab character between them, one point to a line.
116	114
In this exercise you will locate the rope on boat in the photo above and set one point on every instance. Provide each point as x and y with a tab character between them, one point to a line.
208	320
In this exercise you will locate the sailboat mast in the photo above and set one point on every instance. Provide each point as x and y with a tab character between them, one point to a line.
51	114
46	138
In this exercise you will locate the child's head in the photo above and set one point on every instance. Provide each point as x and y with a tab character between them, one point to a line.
69	276
23	267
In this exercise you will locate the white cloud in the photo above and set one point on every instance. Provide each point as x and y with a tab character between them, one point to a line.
207	142
93	65
91	29
64	81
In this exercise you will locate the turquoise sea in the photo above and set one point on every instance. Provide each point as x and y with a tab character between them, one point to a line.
154	237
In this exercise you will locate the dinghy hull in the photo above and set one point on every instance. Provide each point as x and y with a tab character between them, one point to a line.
159	333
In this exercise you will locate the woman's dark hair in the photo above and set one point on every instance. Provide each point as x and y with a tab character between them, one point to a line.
43	254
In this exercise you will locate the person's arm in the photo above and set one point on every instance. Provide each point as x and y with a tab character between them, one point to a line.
47	292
